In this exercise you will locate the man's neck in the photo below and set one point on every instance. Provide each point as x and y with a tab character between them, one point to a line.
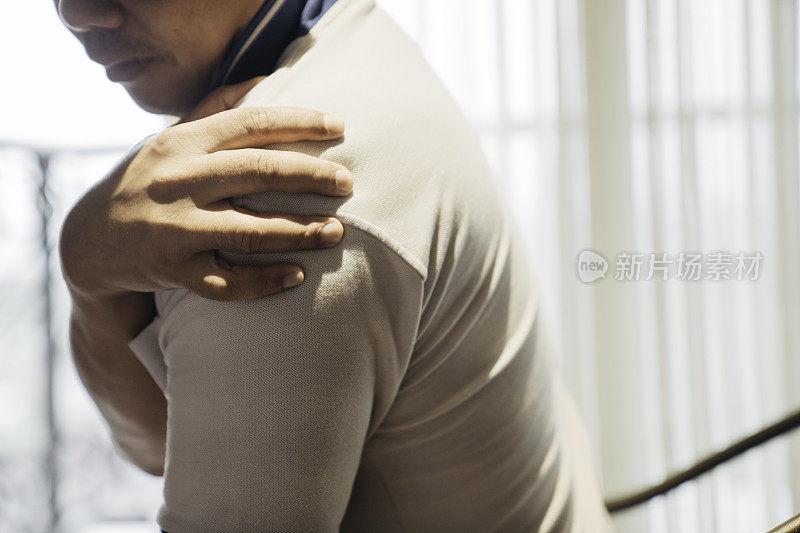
275	25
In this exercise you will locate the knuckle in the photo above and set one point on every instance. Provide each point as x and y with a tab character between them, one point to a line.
249	239
313	233
312	171
298	237
258	120
328	177
316	121
163	143
245	241
321	173
267	169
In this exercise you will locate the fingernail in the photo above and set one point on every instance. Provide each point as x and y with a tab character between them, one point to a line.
344	180
333	124
331	233
293	279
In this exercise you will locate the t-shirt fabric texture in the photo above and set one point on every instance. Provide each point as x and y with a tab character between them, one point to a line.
408	384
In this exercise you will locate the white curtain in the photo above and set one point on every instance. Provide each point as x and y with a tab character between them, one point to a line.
651	126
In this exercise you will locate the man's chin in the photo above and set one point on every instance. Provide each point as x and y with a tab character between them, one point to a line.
159	102
164	88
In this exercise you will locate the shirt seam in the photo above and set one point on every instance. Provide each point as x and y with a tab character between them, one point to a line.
387	240
374	231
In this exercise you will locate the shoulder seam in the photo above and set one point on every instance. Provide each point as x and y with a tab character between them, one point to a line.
376	232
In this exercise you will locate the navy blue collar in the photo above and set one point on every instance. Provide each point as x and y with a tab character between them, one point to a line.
277	23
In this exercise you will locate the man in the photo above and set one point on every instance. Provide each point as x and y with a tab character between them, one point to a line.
407	383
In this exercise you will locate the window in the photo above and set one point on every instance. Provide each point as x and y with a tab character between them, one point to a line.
652	126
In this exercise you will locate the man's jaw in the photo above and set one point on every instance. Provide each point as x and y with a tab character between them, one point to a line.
147	75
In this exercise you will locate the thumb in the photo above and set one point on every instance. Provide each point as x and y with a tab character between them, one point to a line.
211	277
221	99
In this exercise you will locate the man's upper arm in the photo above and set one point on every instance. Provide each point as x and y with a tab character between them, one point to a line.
270	401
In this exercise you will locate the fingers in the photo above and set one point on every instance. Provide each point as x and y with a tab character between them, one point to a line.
254	233
212	277
221	99
251	127
250	170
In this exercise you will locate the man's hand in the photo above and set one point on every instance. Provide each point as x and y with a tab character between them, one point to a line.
155	221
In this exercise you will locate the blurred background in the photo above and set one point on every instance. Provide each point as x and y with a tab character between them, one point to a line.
621	125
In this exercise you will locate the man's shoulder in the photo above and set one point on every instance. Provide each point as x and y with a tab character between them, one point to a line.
420	174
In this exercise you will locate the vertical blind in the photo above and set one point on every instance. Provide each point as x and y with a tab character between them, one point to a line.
632	127
646	127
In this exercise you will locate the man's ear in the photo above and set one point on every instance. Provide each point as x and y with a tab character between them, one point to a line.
221	99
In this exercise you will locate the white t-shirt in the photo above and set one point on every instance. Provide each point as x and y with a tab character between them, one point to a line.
408	383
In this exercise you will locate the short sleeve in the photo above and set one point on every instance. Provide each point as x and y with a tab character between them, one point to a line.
270	401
